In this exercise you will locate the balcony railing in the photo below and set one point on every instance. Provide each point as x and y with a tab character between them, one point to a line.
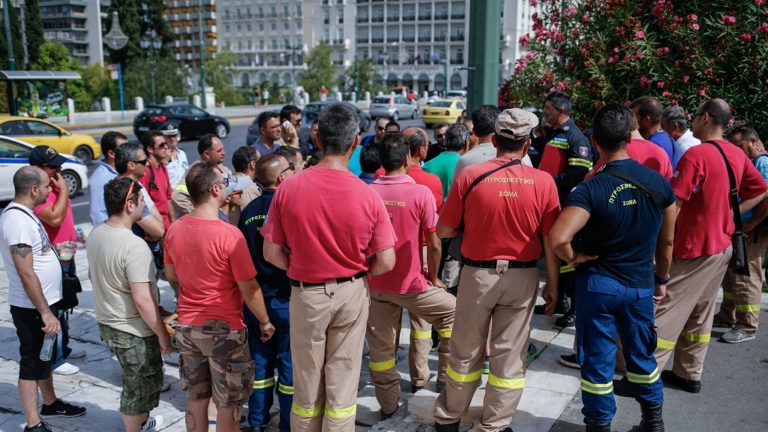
362	39
425	17
425	38
441	16
409	17
440	38
377	40
393	38
457	37
409	38
377	19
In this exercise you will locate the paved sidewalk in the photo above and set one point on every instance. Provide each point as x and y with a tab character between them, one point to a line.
550	400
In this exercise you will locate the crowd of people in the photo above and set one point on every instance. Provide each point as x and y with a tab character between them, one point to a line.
284	267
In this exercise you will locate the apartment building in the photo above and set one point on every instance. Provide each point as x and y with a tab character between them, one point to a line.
185	18
77	25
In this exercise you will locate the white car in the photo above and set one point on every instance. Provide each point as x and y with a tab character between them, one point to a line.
14	154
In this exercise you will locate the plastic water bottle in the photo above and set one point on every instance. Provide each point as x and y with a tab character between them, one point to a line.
45	353
80	238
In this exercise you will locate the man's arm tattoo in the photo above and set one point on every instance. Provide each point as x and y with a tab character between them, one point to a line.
21	250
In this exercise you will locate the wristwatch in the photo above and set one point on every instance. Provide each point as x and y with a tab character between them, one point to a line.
661	281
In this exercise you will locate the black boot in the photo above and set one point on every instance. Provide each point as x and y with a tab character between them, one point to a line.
452	427
652	419
598	427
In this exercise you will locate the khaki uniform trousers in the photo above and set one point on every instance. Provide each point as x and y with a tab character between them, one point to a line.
742	294
436	306
504	302
684	317
327	333
418	350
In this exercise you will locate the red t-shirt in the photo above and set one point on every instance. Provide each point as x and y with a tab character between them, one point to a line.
412	210
506	215
159	190
331	221
646	153
429	180
66	230
210	257
705	222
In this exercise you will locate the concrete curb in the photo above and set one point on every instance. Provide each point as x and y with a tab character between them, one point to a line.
106	125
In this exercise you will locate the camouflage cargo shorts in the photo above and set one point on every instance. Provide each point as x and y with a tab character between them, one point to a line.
142	367
215	363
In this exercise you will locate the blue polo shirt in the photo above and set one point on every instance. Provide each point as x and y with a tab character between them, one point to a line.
623	223
663	140
274	282
97	210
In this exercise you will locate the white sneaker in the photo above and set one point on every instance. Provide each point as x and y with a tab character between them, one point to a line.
152	423
66	369
76	354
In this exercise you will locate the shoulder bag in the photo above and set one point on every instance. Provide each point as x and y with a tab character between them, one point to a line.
739	261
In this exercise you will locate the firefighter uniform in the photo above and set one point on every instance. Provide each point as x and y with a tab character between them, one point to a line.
505	217
614	293
331	222
275	352
567	157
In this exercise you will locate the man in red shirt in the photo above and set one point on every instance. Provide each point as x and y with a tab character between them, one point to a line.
643	151
702	248
506	216
328	230
422	335
209	258
412	210
156	180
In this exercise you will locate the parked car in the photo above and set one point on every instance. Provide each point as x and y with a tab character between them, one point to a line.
444	111
394	107
311	111
190	120
14	154
456	94
40	132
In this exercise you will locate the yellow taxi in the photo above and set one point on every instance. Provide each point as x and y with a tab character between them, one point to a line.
443	111
39	132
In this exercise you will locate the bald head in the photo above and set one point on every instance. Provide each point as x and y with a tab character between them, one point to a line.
26	178
269	168
719	110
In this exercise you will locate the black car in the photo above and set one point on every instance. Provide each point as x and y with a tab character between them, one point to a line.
312	110
190	120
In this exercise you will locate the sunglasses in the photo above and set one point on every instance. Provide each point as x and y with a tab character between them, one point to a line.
696	114
291	167
439	136
141	162
161	145
227	181
380	128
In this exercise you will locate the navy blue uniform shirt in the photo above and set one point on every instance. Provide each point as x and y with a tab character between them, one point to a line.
273	281
623	223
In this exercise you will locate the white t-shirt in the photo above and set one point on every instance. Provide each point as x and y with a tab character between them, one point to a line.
16	227
482	153
686	141
177	167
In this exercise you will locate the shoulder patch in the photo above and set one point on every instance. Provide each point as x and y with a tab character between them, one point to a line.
583	151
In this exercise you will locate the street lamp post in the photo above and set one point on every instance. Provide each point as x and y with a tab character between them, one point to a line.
11	61
151	42
202	53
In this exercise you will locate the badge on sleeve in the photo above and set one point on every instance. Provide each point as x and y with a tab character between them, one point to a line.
583	152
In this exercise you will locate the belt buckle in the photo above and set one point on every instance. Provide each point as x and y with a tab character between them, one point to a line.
502	266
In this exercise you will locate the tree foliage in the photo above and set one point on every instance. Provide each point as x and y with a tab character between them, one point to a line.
34	26
135	22
54	56
320	71
681	52
217	72
137	80
365	82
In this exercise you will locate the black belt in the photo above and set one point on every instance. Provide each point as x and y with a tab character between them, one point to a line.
492	264
297	284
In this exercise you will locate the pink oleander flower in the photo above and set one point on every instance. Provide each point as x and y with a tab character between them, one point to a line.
611	59
759	2
639	34
585	19
666	94
639	55
746	37
702	91
570	11
532	3
763	28
692	17
694	26
525	40
686	78
729	20
616	50
644	80
660	84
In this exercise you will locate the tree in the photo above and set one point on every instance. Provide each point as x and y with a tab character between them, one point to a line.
99	83
18	50
365	74
135	21
54	56
34	26
320	71
681	52
137	79
217	72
